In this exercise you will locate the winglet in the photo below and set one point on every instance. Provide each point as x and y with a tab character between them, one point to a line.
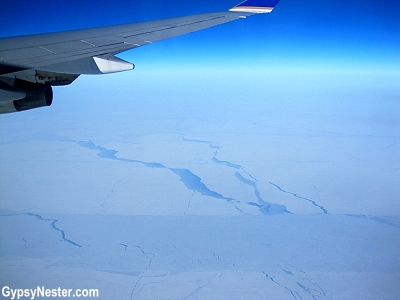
255	6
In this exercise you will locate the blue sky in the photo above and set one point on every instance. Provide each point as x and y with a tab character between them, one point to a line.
308	34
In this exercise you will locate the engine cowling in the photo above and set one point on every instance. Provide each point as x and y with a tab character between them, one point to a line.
33	95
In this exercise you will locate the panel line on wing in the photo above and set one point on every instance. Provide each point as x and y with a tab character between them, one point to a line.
41	47
132	44
175	26
83	41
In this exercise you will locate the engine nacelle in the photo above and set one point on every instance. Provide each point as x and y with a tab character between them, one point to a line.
33	95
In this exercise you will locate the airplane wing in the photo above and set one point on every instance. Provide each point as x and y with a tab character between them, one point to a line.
30	65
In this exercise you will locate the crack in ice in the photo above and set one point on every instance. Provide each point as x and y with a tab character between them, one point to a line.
146	268
224	162
296	284
193	182
52	225
193	293
264	206
105	201
190	180
303	198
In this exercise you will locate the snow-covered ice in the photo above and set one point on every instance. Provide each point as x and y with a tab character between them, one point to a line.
267	198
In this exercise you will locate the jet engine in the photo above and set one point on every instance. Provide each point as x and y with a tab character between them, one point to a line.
23	95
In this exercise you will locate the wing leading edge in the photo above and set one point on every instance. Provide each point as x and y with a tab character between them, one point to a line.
30	65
